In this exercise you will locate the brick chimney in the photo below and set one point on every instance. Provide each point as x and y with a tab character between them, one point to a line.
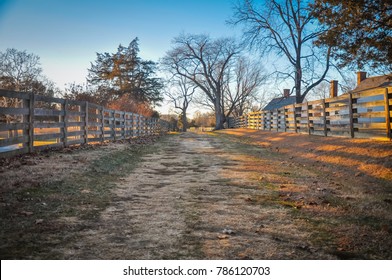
286	93
333	88
360	77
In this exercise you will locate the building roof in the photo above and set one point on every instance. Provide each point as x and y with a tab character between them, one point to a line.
374	82
279	102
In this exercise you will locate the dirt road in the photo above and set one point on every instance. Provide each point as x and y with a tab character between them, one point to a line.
201	196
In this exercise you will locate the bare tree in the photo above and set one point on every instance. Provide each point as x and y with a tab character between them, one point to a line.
348	83
19	70
241	88
205	62
205	119
321	91
180	94
242	85
286	28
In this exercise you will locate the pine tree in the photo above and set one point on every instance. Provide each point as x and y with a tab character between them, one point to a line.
124	75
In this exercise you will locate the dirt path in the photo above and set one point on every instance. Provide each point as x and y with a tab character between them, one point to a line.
219	196
192	200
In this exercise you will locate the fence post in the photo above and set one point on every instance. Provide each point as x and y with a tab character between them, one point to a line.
285	119
140	133
137	125
65	129
122	123
308	117
262	120
126	125
324	118
102	124
147	126
30	119
270	119
143	125
387	114
113	119
295	118
86	123
25	120
140	125
350	112
132	123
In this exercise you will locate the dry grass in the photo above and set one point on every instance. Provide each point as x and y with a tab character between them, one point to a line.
47	198
339	190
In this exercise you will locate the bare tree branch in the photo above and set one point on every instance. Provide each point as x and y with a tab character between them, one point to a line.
205	62
285	27
181	94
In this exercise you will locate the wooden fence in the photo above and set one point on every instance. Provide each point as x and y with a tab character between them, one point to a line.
362	114
39	122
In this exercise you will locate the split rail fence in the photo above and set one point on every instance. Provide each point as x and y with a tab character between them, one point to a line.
365	114
30	123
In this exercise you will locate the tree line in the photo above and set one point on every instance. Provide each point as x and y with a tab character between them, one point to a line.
304	39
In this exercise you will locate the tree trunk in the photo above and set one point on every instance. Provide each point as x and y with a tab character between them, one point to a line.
298	78
219	119
184	121
219	115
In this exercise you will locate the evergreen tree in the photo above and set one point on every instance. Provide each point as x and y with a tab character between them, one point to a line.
360	31
124	74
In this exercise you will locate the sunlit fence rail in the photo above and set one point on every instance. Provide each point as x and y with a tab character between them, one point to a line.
30	123
362	114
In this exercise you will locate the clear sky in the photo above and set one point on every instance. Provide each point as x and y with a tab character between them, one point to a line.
66	34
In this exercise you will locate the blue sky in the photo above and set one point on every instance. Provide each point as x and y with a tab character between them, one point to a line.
66	34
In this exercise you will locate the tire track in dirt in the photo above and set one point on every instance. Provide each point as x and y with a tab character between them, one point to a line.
195	198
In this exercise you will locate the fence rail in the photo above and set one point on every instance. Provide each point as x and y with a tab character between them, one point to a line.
38	122
362	114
